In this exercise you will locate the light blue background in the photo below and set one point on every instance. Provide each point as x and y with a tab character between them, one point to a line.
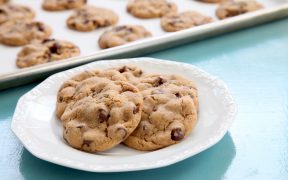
253	63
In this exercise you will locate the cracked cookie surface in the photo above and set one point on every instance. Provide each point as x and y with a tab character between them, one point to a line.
179	21
46	51
89	18
150	8
170	105
9	12
236	7
98	109
121	35
21	32
59	5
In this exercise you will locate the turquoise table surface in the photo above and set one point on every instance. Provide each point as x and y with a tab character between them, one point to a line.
253	63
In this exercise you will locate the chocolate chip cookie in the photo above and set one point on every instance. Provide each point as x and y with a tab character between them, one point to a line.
3	1
150	8
236	7
46	51
10	12
99	112
21	32
179	21
169	112
121	35
59	5
89	18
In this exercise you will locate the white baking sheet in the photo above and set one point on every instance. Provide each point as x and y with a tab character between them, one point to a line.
88	41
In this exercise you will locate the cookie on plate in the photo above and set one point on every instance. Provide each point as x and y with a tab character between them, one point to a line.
150	8
169	112
46	51
89	18
179	21
121	35
3	1
21	32
59	5
10	12
123	73
100	112
236	7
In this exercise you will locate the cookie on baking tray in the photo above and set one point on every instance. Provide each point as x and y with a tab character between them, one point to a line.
89	18
48	50
150	8
59	5
236	7
121	35
21	32
10	12
179	21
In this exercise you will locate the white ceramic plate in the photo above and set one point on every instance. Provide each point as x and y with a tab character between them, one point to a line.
37	127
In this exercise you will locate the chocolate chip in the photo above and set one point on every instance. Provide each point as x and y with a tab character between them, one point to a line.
40	26
159	81
154	109
70	1
136	109
54	48
123	69
122	131
178	95
177	134
87	142
140	72
60	99
103	115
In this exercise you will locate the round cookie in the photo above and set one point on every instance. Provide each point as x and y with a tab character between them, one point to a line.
121	35
101	113
169	112
89	18
10	12
59	5
236	7
3	1
179	21
46	51
123	73
150	8
21	32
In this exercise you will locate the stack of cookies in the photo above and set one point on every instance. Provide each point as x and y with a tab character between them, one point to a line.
103	108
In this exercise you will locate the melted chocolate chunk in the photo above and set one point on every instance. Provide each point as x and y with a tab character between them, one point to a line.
136	109
159	81
54	48
177	134
103	115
